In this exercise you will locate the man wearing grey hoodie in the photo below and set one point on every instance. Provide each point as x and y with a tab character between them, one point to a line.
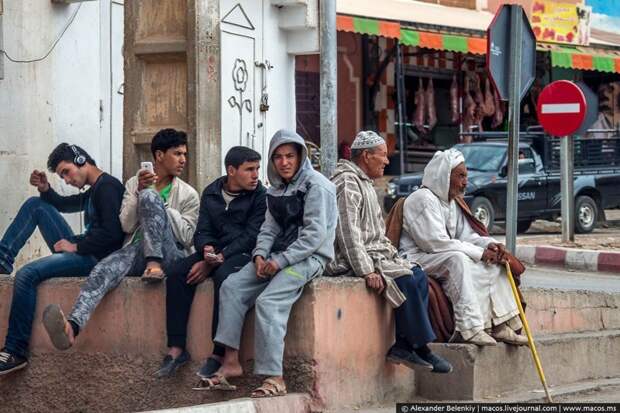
294	245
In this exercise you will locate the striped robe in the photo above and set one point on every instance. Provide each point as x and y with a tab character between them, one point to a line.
361	244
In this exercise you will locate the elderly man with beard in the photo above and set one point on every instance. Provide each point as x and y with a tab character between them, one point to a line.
363	250
469	267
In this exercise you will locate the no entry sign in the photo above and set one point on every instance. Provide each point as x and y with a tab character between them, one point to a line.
561	108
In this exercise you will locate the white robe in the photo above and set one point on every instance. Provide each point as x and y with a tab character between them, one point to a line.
437	235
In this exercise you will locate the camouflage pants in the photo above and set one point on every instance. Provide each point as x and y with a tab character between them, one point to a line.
157	243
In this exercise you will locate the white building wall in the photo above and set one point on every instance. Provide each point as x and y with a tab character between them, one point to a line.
62	98
268	32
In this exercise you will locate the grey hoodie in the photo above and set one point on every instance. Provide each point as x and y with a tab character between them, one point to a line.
301	215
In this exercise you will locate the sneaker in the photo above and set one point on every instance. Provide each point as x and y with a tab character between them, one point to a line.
11	362
408	358
209	368
5	269
440	365
169	365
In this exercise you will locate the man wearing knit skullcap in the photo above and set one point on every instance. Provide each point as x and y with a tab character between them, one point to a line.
363	250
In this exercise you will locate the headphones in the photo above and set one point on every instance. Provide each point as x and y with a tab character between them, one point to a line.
79	159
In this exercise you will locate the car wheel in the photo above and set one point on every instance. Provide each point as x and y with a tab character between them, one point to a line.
523	226
586	214
483	210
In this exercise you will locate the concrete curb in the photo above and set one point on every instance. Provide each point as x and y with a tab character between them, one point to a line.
570	258
293	403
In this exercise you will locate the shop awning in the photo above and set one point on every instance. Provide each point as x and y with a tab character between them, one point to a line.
410	37
418	12
583	58
456	29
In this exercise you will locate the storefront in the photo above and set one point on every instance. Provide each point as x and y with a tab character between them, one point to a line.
417	76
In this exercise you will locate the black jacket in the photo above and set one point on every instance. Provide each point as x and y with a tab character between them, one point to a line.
101	204
231	230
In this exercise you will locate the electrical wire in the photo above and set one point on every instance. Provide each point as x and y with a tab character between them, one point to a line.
51	47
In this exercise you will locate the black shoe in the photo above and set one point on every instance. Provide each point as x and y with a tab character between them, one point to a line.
408	358
211	366
169	366
5	269
11	362
440	365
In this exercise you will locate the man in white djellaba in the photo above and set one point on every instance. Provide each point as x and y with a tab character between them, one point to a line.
437	235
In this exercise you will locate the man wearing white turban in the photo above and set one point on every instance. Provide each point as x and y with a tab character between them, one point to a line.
437	235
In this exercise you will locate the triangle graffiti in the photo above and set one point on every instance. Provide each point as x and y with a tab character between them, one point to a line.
238	17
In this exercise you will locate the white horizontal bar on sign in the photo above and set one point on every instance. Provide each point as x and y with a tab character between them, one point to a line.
549	108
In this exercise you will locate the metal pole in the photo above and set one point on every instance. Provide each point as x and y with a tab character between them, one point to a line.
567	148
516	33
328	92
399	104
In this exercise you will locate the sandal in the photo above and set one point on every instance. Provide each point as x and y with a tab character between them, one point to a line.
270	388
217	382
54	322
151	275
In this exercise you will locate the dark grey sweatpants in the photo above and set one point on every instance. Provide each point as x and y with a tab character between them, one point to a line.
157	242
273	299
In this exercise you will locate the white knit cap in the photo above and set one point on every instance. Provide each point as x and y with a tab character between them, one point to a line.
367	139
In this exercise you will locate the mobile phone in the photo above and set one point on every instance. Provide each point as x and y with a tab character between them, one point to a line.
147	166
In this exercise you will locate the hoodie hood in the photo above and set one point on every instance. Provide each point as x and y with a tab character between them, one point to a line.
437	172
280	138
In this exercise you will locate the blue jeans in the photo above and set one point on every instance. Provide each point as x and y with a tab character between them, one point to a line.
413	325
32	214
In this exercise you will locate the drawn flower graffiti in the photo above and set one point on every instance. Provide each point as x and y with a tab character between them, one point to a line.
240	75
240	80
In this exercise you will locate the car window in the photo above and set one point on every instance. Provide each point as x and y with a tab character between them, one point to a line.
485	158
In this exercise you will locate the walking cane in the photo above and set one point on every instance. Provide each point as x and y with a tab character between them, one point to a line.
526	326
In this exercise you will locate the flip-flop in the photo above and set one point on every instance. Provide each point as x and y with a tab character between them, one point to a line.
153	276
270	388
216	382
54	322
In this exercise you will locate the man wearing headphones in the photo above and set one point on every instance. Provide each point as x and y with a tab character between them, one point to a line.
72	255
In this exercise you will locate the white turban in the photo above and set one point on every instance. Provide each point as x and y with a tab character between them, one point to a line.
437	172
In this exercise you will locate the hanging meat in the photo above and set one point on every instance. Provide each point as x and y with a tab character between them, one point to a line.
478	95
469	111
498	116
489	100
454	100
420	104
431	110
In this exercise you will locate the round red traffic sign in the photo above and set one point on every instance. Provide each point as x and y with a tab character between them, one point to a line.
561	108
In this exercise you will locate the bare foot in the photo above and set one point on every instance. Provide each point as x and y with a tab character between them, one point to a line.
175	352
153	266
230	370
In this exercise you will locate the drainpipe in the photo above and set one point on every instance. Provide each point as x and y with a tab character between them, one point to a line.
328	85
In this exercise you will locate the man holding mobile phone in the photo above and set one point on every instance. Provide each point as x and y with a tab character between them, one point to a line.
158	214
232	210
72	255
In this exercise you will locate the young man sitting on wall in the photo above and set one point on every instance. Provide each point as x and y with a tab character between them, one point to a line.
159	213
232	210
72	255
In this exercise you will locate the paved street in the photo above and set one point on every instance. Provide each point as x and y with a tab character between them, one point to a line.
543	277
